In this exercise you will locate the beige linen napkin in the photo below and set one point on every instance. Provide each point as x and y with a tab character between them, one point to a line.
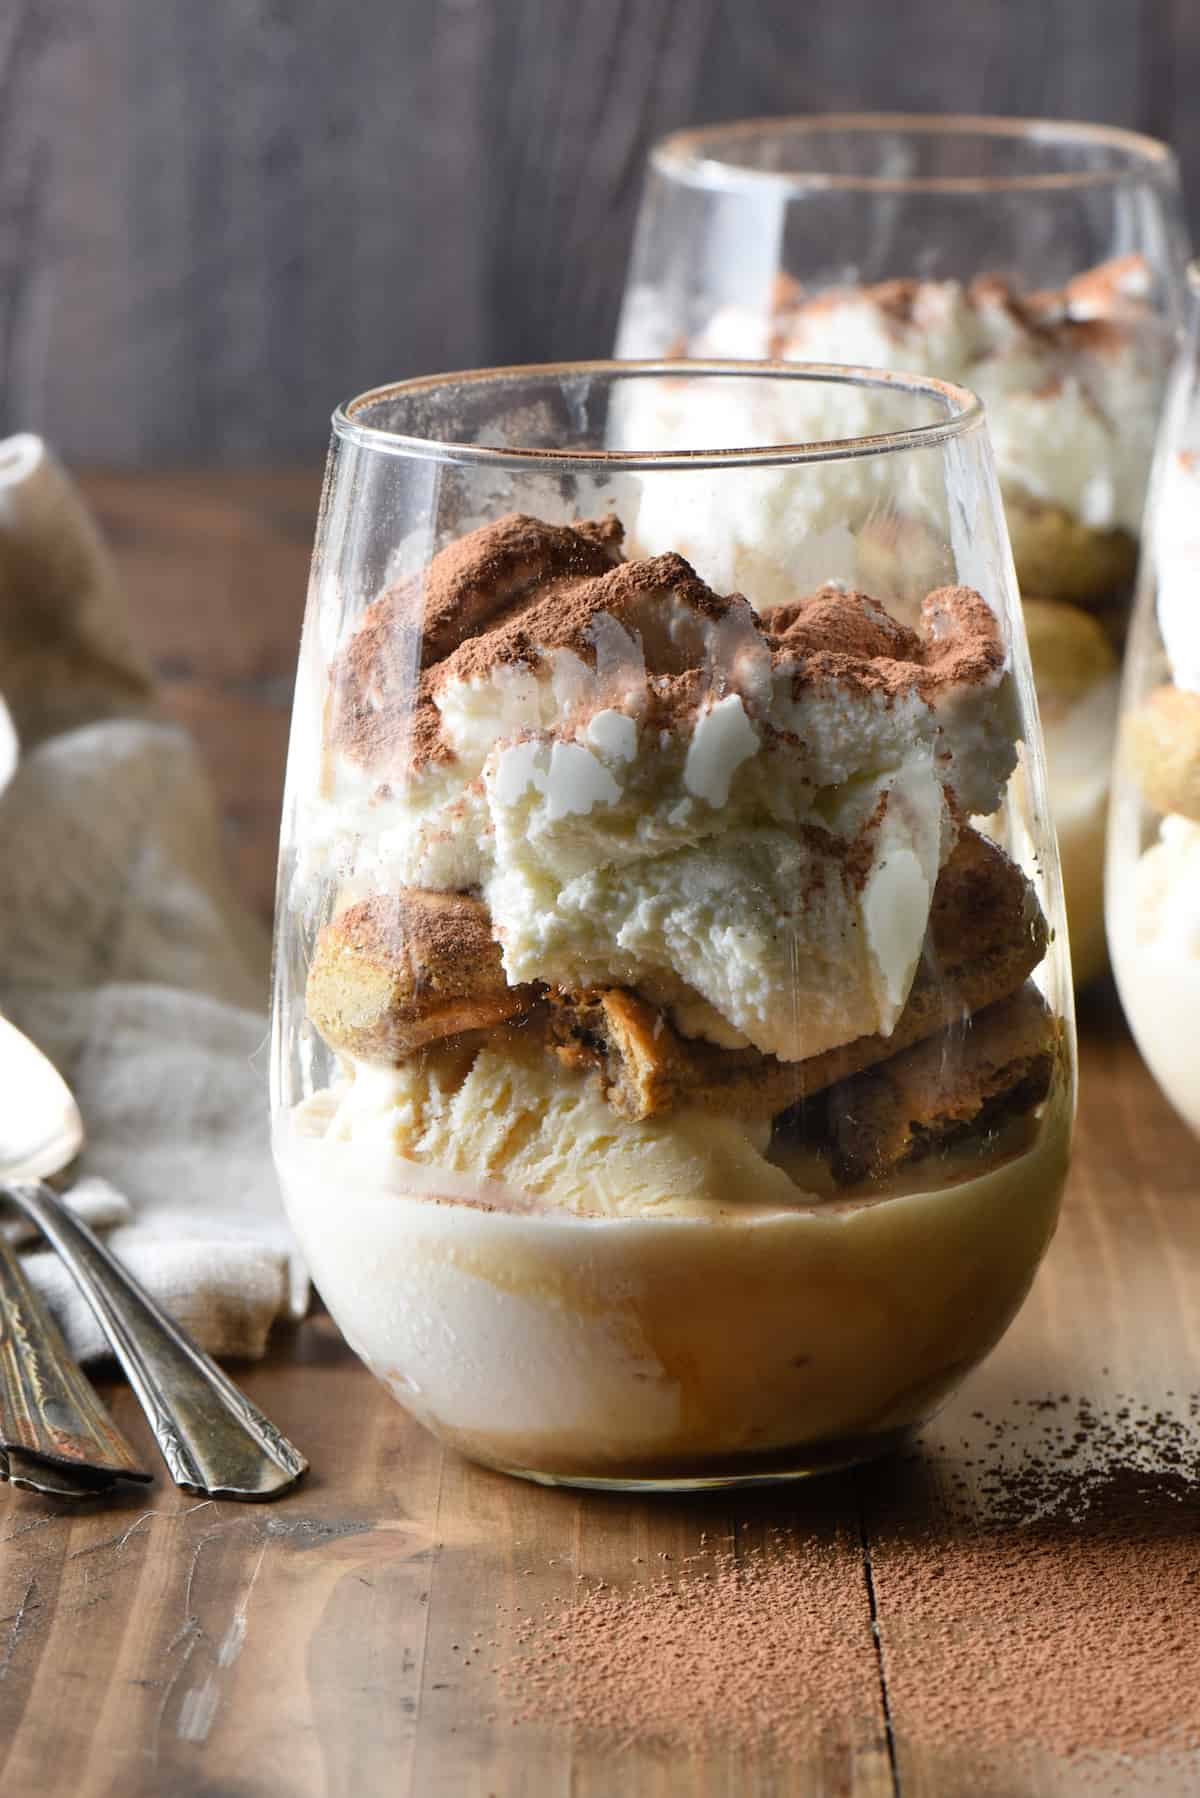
123	953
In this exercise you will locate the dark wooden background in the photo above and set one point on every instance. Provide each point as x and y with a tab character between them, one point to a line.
220	217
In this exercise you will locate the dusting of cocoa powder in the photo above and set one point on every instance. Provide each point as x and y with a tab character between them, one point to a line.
761	1648
1048	1610
1025	1597
511	592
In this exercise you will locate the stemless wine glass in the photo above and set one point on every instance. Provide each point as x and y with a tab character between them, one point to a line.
1153	887
672	1081
1039	264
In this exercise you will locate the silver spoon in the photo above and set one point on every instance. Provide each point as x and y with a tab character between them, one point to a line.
54	1432
214	1441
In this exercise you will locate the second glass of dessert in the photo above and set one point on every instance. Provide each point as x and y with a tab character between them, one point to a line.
1153	892
673	1063
1039	264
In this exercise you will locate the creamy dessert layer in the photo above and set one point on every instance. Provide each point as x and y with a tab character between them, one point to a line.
1072	380
651	785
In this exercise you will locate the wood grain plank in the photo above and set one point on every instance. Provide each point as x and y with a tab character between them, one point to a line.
285	211
343	1642
216	568
540	1549
194	1608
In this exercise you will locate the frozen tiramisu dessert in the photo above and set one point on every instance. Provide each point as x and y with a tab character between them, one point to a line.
1154	886
695	1110
1071	377
1072	381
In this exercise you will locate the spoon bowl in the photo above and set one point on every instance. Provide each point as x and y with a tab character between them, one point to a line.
8	746
41	1129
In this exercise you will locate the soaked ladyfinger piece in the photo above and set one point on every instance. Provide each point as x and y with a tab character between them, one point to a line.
986	935
398	971
996	1065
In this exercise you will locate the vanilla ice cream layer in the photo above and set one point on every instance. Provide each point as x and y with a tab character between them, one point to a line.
365	836
1154	902
620	789
615	794
1154	930
537	1133
599	1346
1167	892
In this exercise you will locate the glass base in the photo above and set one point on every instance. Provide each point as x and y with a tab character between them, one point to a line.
779	1467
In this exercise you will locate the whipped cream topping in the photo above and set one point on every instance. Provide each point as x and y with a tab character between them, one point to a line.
1071	378
1177	534
758	921
651	784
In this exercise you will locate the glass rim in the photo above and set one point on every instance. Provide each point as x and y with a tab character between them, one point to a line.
966	412
682	154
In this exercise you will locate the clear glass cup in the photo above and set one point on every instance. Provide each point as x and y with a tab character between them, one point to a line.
1038	263
1153	884
673	1061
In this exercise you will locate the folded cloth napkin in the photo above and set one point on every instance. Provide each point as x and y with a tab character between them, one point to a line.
123	953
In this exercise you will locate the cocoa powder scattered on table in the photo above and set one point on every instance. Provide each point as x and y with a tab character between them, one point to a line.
761	1646
1042	1604
1051	1609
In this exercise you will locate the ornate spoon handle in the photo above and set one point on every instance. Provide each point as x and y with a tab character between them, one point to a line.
48	1410
214	1441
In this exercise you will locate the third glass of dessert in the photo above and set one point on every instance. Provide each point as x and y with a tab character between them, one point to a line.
673	1062
1153	892
1039	264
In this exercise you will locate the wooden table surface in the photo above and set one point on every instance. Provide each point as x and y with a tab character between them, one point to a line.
154	1644
216	567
